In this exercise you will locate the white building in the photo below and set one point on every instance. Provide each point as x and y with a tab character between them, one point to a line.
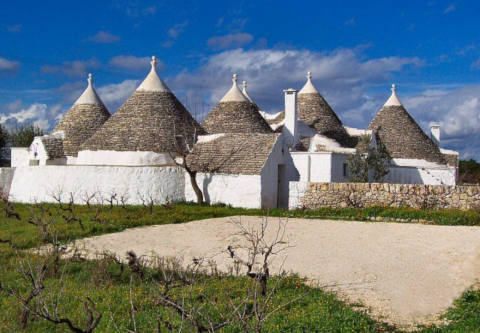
242	156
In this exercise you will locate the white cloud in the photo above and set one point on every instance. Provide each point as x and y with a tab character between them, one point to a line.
351	22
341	75
8	66
33	114
135	8
14	28
115	94
451	8
229	41
132	63
103	37
75	68
177	29
457	111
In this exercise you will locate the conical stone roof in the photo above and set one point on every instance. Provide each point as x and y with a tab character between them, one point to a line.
314	111
85	117
235	113
401	135
150	120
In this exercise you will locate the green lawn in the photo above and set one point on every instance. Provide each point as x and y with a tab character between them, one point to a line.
314	310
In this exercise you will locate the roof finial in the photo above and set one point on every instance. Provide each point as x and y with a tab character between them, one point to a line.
235	78
308	88
244	85
154	62
90	79
393	99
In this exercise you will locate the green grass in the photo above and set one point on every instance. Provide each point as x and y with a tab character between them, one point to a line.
119	218
315	311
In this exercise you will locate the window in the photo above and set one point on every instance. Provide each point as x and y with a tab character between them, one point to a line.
345	170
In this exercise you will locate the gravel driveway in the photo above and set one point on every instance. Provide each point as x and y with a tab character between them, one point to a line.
408	273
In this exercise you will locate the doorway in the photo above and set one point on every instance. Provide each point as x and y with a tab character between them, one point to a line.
282	187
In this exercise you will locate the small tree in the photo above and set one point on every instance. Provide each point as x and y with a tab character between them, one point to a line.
369	162
22	135
184	139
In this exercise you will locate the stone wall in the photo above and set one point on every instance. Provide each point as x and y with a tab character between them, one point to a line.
319	195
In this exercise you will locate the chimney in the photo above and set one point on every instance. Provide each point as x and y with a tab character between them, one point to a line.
290	128
435	134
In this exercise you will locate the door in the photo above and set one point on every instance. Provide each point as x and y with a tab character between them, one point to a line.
282	187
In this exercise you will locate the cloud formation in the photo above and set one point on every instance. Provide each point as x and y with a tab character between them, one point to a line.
451	8
76	68
229	41
103	37
115	94
135	8
8	66
14	28
343	76
177	29
133	63
33	114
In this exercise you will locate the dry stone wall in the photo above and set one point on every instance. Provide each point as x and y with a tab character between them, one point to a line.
318	195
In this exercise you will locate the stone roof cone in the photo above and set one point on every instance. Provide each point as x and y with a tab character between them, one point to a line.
401	135
314	111
85	117
244	92
149	120
235	113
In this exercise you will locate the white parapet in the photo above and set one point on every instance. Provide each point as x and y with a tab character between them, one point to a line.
19	157
123	158
134	184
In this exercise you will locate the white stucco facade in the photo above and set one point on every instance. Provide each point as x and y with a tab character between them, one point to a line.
19	157
125	158
40	183
236	190
428	175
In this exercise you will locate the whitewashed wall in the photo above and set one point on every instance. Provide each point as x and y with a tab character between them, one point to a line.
19	157
38	184
427	176
130	158
6	177
296	192
236	190
270	177
314	167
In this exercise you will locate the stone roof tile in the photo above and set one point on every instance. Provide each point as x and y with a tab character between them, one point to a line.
233	153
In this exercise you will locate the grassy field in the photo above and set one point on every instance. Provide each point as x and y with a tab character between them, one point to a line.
109	287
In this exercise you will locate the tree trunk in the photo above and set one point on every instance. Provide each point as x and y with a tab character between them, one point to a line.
196	189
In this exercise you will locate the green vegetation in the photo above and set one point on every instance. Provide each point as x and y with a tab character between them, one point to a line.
99	220
114	287
469	172
369	163
22	135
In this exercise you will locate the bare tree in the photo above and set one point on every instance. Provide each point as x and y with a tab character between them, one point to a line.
183	146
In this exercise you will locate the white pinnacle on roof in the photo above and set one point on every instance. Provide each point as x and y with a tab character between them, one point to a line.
234	94
393	99
309	88
153	82
89	96
244	91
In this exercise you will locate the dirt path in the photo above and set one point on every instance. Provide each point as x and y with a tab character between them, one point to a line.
408	273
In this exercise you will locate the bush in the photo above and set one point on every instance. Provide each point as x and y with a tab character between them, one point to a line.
22	135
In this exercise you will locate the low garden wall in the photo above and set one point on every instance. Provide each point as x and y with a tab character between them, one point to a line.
318	195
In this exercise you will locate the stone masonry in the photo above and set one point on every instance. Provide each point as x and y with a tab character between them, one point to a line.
320	195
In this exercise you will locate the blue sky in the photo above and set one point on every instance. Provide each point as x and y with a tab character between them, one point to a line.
356	50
